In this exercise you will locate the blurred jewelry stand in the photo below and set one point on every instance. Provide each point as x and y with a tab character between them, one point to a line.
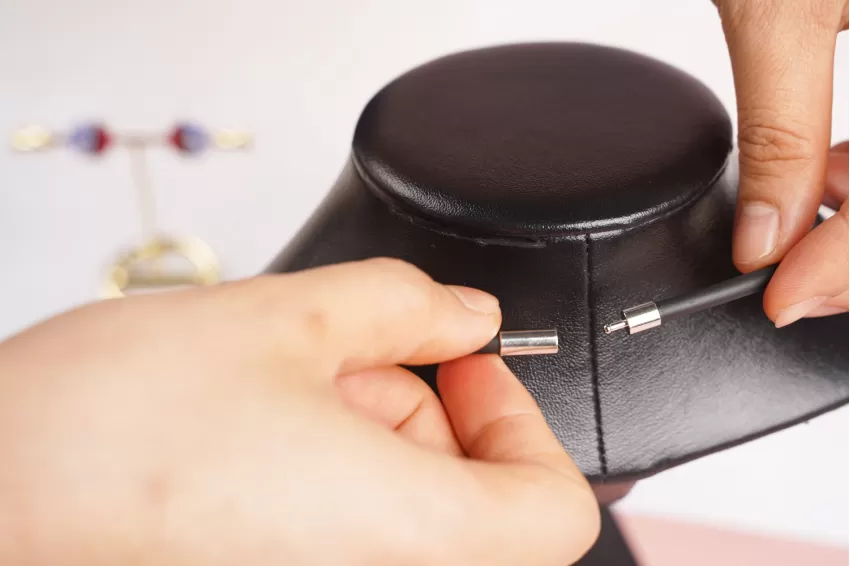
160	261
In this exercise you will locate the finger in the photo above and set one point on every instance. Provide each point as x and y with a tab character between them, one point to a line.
540	498
610	493
812	279
399	400
836	176
376	313
782	55
494	417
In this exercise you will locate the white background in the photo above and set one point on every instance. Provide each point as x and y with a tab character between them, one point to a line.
297	74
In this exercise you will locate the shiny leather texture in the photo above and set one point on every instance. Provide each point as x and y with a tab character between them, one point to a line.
542	140
571	181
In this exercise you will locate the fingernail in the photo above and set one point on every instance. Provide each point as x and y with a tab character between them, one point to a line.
757	232
476	300
824	310
797	311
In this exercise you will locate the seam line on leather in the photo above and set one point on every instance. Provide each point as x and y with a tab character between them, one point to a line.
594	366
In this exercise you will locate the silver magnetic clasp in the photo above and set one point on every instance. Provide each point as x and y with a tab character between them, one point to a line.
637	319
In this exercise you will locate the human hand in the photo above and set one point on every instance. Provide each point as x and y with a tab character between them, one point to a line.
266	422
782	58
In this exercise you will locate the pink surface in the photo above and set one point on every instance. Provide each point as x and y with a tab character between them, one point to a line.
663	542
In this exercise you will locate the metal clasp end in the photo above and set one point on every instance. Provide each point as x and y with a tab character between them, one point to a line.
636	319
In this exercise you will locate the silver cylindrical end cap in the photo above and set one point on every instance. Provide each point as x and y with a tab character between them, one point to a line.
642	317
529	342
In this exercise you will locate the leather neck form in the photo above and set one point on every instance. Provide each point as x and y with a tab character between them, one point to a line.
571	180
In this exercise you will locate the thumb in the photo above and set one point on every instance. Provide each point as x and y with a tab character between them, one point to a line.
543	511
782	55
351	317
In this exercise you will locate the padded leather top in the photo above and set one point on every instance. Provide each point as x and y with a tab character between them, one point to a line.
570	138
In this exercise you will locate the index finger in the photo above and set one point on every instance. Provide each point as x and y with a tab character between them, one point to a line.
782	55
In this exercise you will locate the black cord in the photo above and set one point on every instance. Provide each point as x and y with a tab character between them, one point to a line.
649	315
494	346
716	295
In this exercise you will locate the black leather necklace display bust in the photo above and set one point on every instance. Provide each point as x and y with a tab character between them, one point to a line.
570	181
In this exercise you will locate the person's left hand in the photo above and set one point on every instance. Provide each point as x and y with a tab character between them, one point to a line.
812	278
783	52
267	422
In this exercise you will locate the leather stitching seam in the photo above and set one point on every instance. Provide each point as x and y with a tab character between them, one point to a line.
594	366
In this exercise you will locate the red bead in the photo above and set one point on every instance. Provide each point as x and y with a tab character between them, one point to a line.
176	138
189	138
102	140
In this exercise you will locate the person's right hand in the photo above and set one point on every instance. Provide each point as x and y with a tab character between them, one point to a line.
267	422
782	58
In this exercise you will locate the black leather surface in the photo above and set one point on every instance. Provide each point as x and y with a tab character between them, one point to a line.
706	380
538	287
624	406
542	139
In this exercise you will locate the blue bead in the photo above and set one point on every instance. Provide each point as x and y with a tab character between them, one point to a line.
191	138
89	138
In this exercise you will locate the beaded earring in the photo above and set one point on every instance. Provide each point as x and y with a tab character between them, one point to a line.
151	264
